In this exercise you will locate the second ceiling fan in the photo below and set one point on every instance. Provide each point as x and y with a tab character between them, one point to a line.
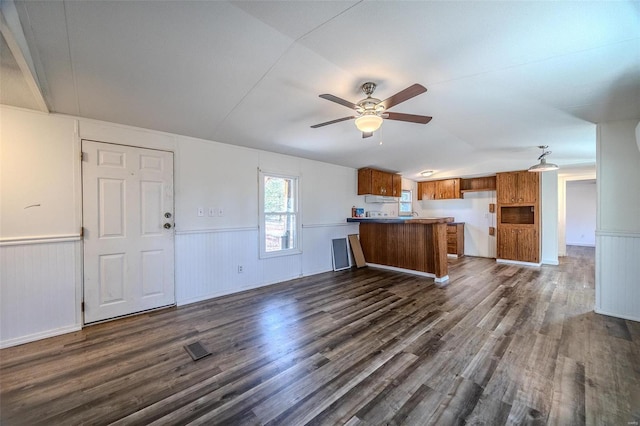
371	111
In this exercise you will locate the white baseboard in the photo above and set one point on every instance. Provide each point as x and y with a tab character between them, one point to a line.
553	262
38	336
517	262
611	314
410	271
581	244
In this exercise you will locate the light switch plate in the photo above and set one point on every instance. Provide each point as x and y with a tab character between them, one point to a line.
212	211
200	211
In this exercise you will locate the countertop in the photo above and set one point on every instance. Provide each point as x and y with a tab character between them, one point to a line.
408	220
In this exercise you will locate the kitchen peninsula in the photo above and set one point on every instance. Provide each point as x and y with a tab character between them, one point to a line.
411	245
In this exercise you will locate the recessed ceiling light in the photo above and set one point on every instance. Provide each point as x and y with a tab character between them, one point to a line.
426	173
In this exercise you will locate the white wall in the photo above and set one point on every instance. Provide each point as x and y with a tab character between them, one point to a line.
473	210
40	247
549	218
33	145
618	220
581	213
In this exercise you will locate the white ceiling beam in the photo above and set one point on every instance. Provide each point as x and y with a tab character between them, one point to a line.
11	30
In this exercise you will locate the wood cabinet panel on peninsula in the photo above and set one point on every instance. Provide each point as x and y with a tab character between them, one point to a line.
410	244
378	182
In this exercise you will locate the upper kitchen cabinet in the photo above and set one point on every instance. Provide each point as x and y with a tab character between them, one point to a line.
518	187
448	189
477	184
378	182
427	190
445	189
396	184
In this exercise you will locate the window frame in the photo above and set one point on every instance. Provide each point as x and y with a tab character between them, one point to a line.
410	202
296	213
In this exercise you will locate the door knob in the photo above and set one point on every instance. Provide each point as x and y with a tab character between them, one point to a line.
167	215
167	225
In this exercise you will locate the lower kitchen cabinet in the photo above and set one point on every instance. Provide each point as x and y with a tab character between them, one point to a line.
518	243
455	238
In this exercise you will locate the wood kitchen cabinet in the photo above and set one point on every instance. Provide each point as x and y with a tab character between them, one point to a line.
520	243
448	189
518	187
445	189
396	185
427	190
477	184
455	238
518	196
378	182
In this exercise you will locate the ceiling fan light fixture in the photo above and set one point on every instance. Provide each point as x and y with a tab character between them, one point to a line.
368	123
543	166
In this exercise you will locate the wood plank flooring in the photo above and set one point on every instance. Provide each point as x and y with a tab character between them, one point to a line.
499	344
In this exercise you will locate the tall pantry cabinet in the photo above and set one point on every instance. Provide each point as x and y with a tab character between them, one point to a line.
518	197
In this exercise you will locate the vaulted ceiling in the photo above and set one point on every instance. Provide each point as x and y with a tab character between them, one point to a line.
502	77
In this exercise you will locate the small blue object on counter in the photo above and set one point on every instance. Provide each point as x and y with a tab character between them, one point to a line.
357	212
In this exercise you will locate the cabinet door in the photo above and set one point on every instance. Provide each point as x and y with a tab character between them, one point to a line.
447	189
427	190
506	187
507	243
528	245
364	181
528	187
381	183
396	185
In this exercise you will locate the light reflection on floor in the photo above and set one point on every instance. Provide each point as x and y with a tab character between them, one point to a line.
277	327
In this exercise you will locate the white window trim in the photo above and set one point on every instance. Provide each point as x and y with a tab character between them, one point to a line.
400	202
261	219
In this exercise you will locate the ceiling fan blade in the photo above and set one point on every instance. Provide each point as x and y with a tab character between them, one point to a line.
340	101
315	126
403	95
422	119
367	134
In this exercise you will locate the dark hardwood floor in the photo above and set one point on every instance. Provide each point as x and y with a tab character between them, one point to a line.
499	344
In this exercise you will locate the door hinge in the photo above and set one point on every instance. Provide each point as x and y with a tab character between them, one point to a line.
81	231
83	156
82	306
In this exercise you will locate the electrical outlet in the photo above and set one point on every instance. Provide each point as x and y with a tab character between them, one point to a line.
240	269
212	211
200	211
220	211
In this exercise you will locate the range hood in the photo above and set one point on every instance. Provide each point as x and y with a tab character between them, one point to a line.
372	199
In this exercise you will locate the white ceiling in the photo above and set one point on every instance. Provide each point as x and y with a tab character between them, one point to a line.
502	77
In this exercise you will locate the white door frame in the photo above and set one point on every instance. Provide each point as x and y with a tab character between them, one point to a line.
83	229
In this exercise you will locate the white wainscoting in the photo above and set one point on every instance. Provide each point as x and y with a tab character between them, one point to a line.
316	245
40	290
207	261
41	280
618	274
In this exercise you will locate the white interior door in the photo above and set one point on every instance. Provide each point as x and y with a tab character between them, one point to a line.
127	202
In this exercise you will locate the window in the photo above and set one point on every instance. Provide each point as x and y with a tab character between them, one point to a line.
406	208
279	217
